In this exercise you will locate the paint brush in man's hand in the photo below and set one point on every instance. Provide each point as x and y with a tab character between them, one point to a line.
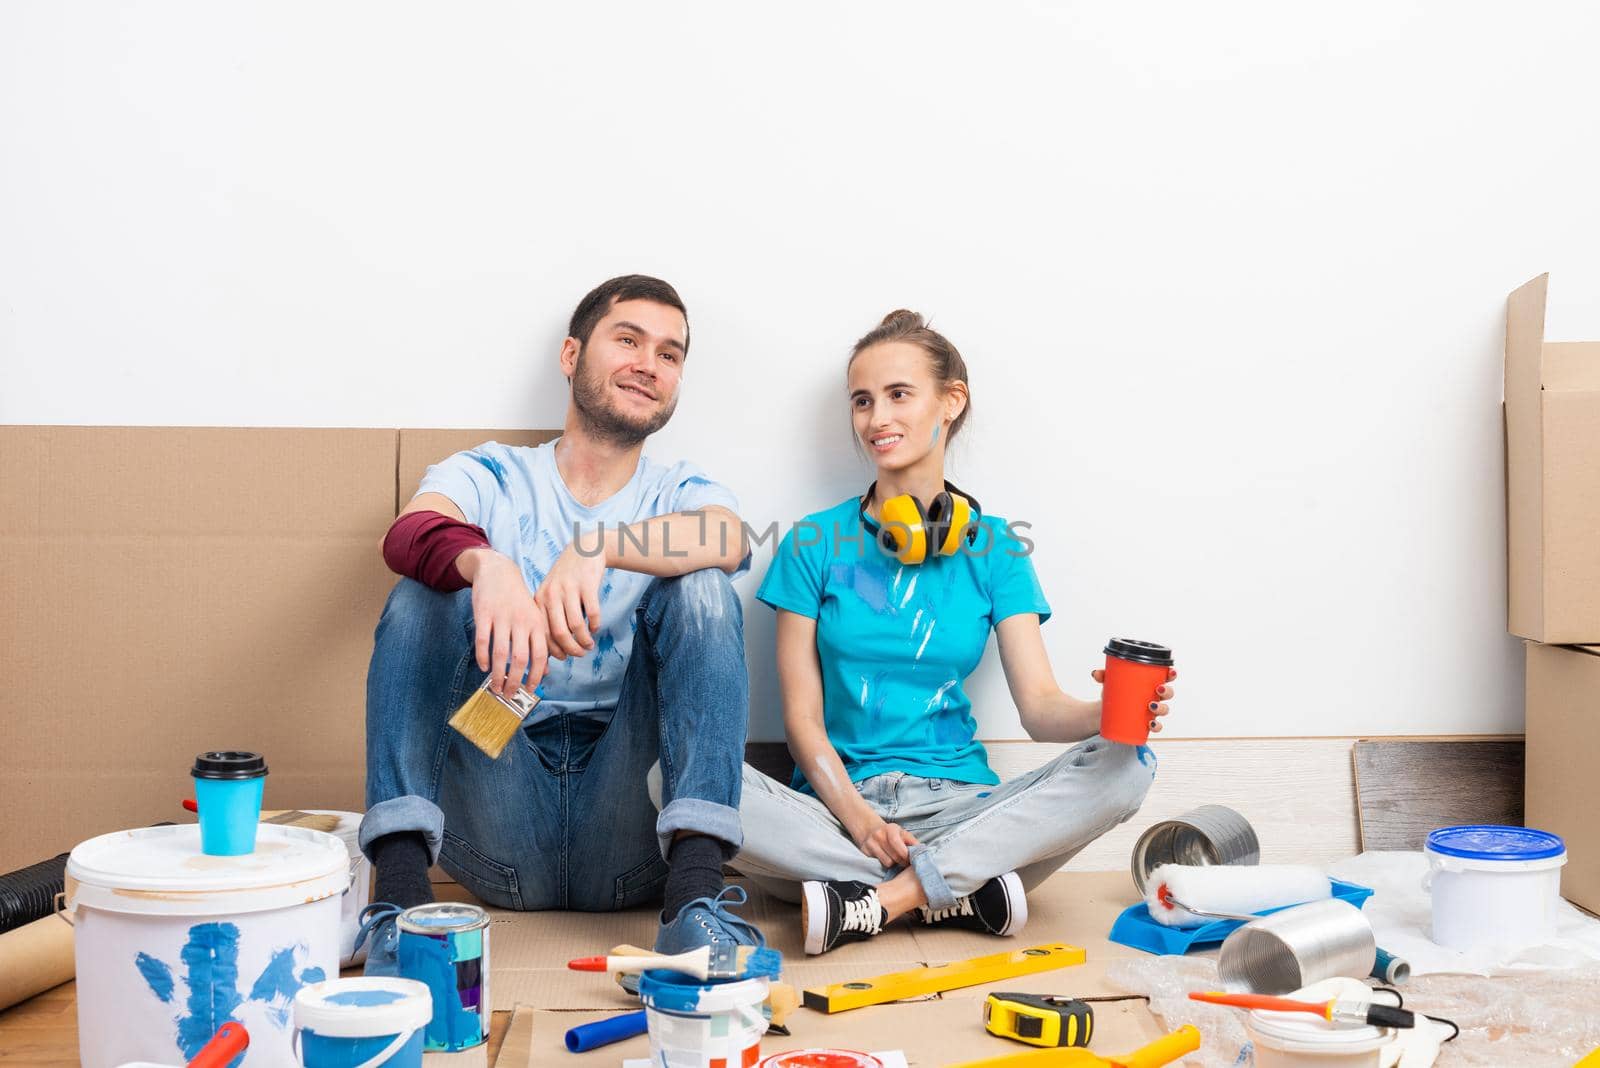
707	962
488	720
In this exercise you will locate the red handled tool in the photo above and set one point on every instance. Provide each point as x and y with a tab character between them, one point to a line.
1335	1011
230	1040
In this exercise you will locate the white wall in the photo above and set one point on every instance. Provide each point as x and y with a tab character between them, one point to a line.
1230	277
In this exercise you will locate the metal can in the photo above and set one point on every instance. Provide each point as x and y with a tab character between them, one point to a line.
1210	834
445	945
1298	946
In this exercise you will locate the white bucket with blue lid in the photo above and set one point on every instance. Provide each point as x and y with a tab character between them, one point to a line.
362	1023
693	1023
171	943
1494	886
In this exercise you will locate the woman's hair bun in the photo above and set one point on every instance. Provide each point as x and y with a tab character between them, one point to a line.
904	319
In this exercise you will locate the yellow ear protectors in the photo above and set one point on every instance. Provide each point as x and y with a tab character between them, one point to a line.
910	530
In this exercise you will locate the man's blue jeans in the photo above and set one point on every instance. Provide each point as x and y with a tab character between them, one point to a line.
563	819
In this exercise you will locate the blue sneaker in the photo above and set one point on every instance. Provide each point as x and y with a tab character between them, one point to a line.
377	921
709	921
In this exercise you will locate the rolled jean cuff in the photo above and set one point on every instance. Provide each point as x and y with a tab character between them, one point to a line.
700	817
409	813
937	890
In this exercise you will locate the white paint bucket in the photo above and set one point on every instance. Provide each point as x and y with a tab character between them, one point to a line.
1494	886
362	1023
360	892
695	1024
1301	1040
171	943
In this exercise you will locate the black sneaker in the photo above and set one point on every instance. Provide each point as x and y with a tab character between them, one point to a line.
831	913
998	907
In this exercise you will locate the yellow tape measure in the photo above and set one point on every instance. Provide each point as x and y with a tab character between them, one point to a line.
1038	1019
897	986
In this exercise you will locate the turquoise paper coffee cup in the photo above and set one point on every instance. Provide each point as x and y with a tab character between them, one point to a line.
227	791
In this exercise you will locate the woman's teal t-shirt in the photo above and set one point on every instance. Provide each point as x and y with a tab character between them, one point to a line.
896	641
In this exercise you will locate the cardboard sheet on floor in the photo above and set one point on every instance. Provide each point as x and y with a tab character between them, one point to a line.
931	1033
530	949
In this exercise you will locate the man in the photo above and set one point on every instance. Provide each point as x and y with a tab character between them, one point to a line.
630	632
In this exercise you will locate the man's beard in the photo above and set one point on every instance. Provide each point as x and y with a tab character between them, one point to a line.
602	415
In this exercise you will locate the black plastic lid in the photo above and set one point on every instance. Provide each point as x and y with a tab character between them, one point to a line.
1139	652
229	764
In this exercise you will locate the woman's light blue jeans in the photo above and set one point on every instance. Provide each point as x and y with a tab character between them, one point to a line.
969	834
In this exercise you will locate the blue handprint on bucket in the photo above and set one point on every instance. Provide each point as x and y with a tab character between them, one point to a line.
211	972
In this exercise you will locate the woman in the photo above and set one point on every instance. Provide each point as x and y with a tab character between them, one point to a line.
894	808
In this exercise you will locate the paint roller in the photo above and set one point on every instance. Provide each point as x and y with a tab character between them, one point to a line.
1184	895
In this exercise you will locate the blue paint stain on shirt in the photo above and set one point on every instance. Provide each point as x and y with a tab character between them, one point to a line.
1147	757
866	583
495	467
605	644
156	974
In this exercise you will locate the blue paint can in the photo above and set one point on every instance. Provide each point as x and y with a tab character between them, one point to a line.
445	946
362	1023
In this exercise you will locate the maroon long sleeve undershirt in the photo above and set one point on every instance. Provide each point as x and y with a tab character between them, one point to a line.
424	546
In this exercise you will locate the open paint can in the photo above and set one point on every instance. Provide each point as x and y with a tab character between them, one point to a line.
697	1024
172	943
362	1023
820	1058
1210	834
1301	1040
445	946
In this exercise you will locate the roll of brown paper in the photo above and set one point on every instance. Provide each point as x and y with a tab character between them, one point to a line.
34	958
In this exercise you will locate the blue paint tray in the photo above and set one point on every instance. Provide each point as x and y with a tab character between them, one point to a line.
1135	928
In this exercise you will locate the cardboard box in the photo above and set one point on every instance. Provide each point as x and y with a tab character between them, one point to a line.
1563	754
169	590
1552	412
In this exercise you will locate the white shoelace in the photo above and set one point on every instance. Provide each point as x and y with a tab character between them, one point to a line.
962	907
863	914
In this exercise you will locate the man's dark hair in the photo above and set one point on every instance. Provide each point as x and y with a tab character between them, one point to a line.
593	307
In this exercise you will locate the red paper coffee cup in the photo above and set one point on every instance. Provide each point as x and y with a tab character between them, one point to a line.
1135	670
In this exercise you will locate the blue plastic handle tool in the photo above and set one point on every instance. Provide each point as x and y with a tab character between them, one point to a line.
590	1036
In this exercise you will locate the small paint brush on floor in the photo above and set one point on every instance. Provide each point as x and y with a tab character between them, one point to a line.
707	962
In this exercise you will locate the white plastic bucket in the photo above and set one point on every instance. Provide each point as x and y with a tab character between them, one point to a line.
1494	886
1300	1040
362	1023
360	891
693	1024
171	944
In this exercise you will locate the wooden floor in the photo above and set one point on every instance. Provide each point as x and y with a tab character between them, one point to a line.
43	1031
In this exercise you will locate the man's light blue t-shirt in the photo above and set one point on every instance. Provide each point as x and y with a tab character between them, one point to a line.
517	496
896	642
